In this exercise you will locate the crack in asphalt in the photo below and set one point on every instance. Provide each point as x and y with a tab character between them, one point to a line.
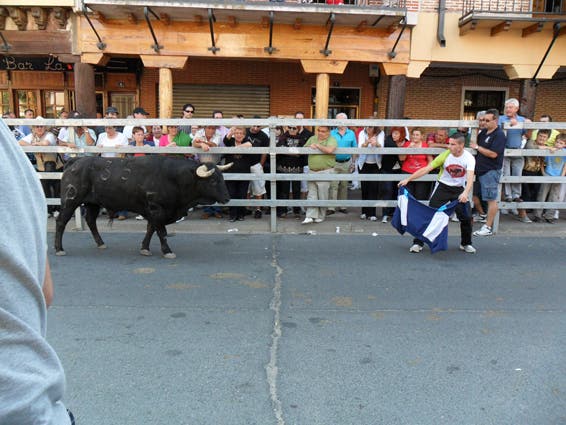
271	368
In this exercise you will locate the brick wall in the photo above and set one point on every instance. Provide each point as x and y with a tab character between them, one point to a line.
290	87
436	95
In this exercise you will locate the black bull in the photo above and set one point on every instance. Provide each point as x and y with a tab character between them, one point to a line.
160	188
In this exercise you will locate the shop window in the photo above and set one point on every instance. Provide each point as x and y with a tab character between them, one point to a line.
479	99
54	103
4	101
340	100
27	99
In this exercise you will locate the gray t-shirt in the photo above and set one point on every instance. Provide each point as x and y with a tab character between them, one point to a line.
32	380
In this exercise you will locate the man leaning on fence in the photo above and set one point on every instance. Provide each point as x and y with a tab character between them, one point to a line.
322	162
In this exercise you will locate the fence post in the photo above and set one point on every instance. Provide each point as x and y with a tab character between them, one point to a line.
272	182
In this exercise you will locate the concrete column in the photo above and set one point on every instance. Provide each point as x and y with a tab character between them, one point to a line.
165	93
322	95
85	93
396	97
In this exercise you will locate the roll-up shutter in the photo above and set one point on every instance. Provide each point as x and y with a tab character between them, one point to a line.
230	99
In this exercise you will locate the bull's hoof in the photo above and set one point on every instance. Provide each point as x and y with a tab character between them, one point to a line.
170	255
146	252
60	253
102	246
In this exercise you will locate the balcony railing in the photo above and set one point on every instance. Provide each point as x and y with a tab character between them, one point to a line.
541	8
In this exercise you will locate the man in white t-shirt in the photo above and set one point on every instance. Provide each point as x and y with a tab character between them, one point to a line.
455	181
138	113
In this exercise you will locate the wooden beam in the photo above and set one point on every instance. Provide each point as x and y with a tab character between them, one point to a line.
34	43
502	26
396	97
561	31
323	66
532	29
95	58
165	93
394	68
161	61
322	95
40	16
467	27
69	58
85	92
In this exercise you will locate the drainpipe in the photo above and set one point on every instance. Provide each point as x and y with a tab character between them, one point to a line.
440	30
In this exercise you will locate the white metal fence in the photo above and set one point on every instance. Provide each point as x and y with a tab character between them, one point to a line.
273	151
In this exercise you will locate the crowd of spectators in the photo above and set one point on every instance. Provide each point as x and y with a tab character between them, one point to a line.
495	133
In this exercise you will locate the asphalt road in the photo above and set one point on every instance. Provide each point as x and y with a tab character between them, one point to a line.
311	330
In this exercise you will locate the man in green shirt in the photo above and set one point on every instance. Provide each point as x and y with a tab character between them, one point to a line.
320	163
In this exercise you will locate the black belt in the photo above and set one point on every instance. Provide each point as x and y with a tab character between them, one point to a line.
342	160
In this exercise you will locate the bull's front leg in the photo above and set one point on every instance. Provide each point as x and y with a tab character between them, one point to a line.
147	239
162	233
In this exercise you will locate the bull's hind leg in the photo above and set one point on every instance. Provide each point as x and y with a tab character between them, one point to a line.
147	239
162	233
91	215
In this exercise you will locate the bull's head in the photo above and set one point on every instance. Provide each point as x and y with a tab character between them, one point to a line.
211	185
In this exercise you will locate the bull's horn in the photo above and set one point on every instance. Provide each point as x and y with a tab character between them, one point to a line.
204	172
225	167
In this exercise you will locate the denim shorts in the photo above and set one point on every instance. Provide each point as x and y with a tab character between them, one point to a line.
489	183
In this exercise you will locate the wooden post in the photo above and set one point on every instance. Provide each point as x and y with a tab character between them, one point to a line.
396	97
528	99
165	93
85	93
322	94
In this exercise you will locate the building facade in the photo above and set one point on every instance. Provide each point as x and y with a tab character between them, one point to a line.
440	59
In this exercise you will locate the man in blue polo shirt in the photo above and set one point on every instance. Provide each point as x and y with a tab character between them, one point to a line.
346	138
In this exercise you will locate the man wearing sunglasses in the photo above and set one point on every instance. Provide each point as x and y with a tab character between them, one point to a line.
188	113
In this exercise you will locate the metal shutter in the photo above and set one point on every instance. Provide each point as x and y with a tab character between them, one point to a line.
231	100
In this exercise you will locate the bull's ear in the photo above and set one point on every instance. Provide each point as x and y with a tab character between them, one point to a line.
204	172
225	167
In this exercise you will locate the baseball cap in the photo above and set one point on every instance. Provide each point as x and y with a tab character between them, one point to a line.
140	110
111	110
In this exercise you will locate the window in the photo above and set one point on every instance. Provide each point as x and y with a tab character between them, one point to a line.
480	99
340	100
124	102
4	101
26	99
54	103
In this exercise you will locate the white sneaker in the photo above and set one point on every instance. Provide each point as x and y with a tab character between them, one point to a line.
468	248
416	248
454	218
55	214
363	216
484	231
318	220
385	219
373	218
139	217
308	220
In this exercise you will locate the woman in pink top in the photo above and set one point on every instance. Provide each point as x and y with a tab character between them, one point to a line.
414	162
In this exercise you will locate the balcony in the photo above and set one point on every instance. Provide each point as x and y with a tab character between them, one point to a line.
502	15
386	14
